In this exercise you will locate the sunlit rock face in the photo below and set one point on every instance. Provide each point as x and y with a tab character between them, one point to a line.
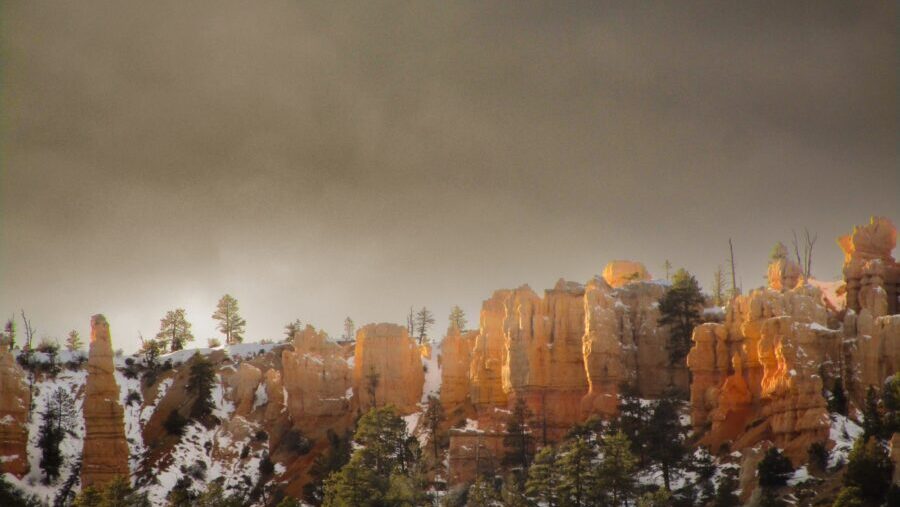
317	380
15	399
602	350
456	358
245	383
763	363
783	274
620	273
105	453
387	368
545	361
872	276
489	355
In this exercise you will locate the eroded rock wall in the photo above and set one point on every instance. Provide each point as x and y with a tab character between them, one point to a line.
105	452
387	368
15	398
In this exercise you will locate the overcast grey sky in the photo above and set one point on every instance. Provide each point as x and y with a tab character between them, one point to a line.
324	159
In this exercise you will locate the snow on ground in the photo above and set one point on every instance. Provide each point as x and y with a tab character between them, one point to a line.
235	351
133	419
843	433
71	382
432	372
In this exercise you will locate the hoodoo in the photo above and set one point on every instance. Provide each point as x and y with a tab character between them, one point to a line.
105	454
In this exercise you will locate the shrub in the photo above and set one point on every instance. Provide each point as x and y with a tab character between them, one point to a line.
295	441
175	423
774	469
262	436
133	397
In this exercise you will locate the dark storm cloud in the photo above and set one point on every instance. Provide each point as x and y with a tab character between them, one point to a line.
320	159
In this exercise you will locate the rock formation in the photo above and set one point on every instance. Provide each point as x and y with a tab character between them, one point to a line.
545	360
870	271
489	355
456	358
620	273
387	368
105	453
15	399
762	364
274	395
246	380
602	350
317	381
783	273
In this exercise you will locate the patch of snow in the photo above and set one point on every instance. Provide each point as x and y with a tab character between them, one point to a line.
261	397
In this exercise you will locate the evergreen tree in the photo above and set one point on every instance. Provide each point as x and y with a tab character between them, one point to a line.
230	322
705	468
336	456
292	328
665	436
890	399
668	267
518	441
726	493
616	469
200	384
458	318
482	493
174	329
73	341
543	478
117	493
680	311
424	320
433	417
659	498
774	469
872	424
633	420
837	402
870	469
57	417
578	482
10	496
383	449
818	457
718	287
349	329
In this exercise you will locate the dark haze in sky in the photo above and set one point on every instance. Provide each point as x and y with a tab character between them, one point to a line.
324	159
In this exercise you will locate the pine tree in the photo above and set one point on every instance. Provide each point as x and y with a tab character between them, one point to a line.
482	493
578	483
837	402
230	322
518	441
200	385
543	478
666	437
616	470
57	417
872	424
726	493
633	420
659	498
434	415
458	318
292	328
349	329
174	329
668	267
680	311
703	465
336	456
890	399
774	469
73	341
424	320
869	468
718	287
10	496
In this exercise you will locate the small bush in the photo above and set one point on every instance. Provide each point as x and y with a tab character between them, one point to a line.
262	436
245	452
818	456
175	423
133	397
266	467
774	469
295	441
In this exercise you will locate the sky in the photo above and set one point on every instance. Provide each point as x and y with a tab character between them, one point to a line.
319	160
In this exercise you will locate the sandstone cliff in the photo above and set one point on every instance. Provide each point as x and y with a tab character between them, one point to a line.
456	358
317	380
387	368
15	399
105	453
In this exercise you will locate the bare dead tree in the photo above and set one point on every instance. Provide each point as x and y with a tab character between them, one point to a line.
734	287
804	261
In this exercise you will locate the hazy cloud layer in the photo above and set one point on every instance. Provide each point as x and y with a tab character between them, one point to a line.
324	159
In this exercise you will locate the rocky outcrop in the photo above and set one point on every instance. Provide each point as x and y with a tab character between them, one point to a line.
387	368
274	395
621	273
545	360
105	452
245	381
456	358
489	355
15	399
870	271
602	350
762	367
783	273
318	384
473	453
